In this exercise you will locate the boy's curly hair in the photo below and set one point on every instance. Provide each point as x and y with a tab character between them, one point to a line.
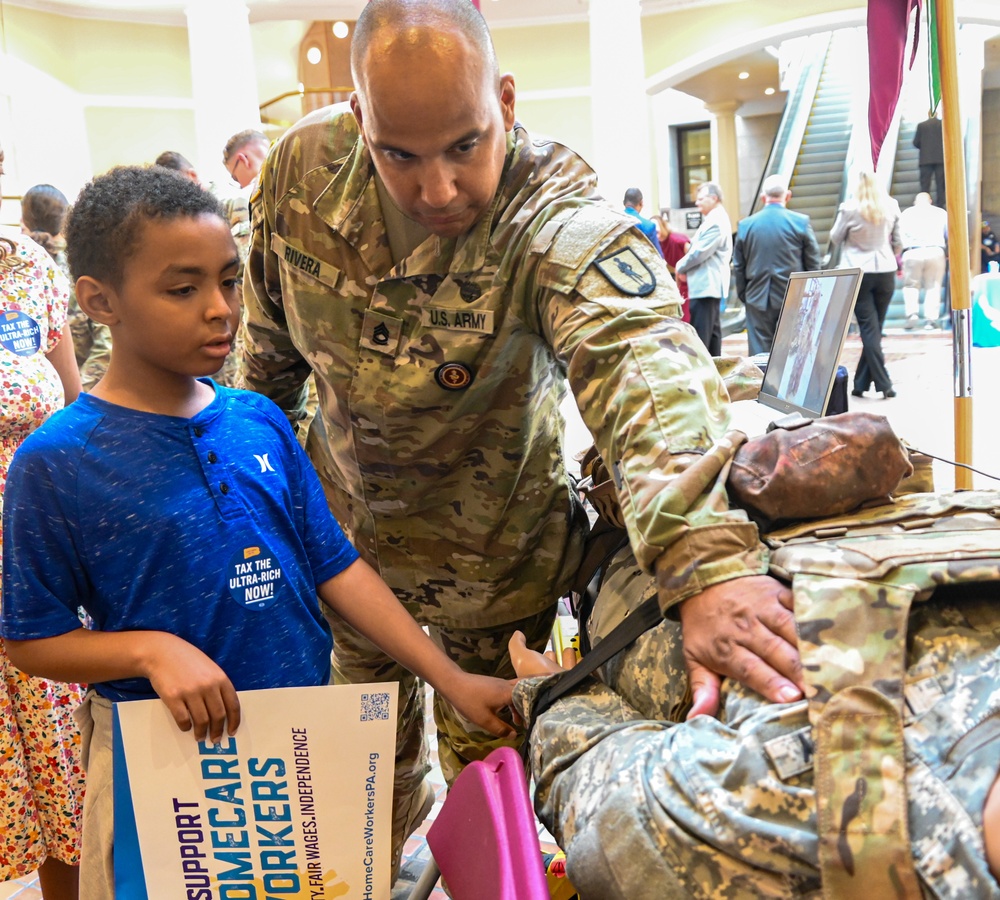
102	230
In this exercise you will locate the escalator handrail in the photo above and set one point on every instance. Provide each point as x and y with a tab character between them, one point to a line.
794	119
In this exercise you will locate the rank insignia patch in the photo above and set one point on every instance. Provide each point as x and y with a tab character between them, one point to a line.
627	272
453	376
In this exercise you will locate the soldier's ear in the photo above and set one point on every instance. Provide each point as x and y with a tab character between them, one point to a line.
358	114
507	101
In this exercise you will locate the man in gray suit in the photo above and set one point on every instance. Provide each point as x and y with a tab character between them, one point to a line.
770	245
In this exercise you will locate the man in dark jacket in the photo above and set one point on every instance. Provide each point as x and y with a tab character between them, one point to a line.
770	245
928	140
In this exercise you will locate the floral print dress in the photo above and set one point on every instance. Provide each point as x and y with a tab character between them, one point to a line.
41	778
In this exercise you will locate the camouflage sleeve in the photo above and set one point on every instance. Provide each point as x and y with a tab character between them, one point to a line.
270	364
646	809
96	363
658	409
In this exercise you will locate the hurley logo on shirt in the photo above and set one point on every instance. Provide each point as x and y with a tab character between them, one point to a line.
265	463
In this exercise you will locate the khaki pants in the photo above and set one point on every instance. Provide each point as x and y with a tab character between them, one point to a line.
97	864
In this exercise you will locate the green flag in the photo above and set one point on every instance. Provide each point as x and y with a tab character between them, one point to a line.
933	65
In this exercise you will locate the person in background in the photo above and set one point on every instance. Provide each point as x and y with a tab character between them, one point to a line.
923	231
989	247
868	227
244	154
43	212
171	159
446	277
633	207
769	246
706	266
41	778
929	140
673	245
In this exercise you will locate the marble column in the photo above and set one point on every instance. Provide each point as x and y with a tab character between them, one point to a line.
620	112
223	79
725	159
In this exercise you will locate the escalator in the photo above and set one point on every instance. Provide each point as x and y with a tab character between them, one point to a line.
817	182
817	179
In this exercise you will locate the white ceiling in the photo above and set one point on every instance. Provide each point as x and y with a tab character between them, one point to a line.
497	12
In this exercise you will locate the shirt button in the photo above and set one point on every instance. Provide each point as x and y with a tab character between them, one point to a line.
212	458
198	432
224	488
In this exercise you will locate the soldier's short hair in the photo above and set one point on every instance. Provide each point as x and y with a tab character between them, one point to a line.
43	208
400	15
171	159
239	140
102	230
633	197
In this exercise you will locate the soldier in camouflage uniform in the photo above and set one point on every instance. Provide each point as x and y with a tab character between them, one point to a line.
443	276
879	785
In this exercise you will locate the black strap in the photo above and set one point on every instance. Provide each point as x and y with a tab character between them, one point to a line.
637	622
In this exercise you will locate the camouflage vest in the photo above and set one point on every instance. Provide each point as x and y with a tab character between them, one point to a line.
854	578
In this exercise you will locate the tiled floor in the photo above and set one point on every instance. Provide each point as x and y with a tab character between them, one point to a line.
22	889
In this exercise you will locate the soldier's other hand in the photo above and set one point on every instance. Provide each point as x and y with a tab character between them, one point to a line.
742	629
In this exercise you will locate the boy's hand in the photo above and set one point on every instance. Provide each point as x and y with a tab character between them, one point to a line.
197	692
480	699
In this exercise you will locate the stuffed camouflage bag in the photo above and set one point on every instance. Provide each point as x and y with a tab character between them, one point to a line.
806	468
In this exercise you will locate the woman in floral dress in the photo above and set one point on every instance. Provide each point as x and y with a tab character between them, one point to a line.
41	780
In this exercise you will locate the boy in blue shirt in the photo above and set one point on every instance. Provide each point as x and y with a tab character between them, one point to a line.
181	515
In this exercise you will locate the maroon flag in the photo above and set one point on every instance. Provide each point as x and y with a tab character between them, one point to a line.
888	25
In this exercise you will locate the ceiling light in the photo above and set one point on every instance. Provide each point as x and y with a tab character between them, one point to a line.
744	76
340	29
302	88
314	54
768	91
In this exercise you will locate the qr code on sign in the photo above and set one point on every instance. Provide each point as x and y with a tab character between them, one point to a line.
374	707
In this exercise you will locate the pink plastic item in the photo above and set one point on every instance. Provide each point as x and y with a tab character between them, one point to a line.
485	839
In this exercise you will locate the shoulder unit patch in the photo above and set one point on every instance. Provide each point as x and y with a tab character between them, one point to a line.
627	272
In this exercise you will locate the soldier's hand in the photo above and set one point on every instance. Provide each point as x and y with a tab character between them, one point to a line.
742	629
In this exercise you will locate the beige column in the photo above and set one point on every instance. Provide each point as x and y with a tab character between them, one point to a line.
619	104
725	160
223	79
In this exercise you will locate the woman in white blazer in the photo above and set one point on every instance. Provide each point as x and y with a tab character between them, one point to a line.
868	227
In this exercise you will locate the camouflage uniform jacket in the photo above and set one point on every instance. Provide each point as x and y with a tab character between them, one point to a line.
439	439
